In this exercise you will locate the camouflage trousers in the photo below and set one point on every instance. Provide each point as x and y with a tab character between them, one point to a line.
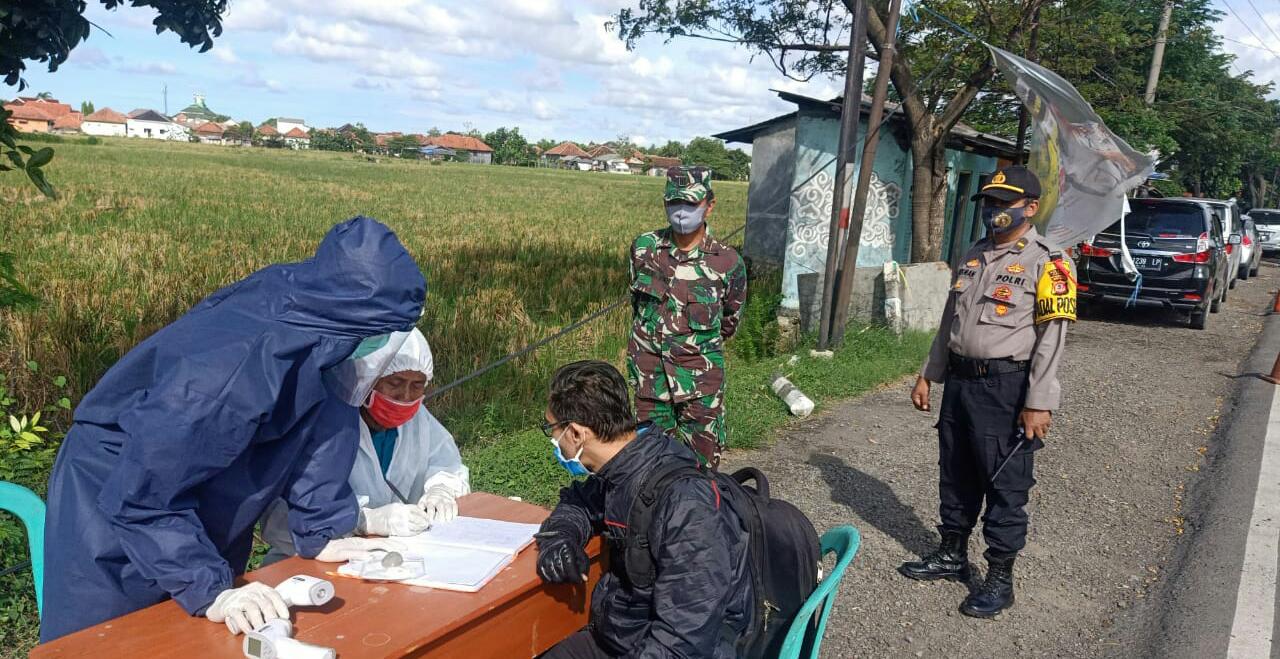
698	422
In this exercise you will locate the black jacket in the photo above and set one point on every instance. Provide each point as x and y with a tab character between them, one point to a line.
700	601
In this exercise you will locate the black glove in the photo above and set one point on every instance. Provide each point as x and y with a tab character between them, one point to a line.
560	560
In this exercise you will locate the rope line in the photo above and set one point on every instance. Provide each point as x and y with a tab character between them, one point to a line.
15	568
568	329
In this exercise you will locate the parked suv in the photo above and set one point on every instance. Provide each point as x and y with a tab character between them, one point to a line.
1267	221
1250	249
1232	221
1178	246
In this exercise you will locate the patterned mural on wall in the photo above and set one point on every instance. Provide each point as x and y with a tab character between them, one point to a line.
811	228
884	199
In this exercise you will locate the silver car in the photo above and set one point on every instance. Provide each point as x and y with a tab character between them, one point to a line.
1267	222
1250	249
1229	214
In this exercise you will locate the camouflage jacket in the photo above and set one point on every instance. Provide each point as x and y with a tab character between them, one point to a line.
684	304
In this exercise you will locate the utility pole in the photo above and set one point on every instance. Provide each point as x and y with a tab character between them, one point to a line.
166	99
854	218
850	113
1157	57
1022	109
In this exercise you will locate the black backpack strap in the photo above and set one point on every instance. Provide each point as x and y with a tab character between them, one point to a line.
755	475
639	557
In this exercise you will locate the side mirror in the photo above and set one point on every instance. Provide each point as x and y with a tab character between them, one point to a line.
1233	239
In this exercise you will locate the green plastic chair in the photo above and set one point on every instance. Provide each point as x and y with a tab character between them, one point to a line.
30	509
805	635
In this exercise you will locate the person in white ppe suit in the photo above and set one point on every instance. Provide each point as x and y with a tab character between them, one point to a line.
408	473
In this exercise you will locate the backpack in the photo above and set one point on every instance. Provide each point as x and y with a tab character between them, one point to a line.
783	551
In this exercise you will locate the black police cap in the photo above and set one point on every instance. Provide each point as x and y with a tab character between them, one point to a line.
1011	183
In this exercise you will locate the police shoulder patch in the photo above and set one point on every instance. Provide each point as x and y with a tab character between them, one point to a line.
1056	292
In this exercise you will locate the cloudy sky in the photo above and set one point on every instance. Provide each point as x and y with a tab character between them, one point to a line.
547	66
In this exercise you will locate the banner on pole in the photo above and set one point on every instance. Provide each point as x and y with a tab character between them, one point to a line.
1085	170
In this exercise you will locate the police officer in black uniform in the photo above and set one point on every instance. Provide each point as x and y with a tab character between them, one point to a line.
997	351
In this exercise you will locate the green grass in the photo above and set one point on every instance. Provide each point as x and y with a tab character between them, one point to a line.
143	230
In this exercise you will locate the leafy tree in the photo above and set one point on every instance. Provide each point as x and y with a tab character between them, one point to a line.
86	108
509	147
327	139
807	38
672	149
434	132
724	163
404	146
544	144
362	139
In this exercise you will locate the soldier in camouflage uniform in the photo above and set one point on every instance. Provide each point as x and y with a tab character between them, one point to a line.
687	292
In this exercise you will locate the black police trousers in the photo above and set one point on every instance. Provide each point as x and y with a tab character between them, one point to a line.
977	429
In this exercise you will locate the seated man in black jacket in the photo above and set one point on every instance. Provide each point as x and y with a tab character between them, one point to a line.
699	603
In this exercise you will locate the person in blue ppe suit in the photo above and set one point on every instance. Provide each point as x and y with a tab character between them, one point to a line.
247	398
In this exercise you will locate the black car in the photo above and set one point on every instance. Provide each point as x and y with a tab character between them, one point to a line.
1178	247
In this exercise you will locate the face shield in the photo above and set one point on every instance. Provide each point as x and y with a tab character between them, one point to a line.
353	378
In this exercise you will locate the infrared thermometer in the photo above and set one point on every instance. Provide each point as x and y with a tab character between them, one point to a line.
274	640
303	590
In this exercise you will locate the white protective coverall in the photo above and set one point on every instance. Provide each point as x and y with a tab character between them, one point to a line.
425	454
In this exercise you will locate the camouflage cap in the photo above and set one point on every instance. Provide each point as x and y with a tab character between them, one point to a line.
691	184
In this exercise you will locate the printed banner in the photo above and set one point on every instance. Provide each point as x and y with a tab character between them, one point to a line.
1084	169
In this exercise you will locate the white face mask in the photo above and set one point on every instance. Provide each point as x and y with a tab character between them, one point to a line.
686	219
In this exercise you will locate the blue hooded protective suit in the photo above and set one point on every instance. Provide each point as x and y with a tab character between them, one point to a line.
179	449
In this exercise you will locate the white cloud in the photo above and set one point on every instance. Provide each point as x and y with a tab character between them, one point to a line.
1252	52
548	66
543	110
253	79
253	15
223	53
148	68
89	56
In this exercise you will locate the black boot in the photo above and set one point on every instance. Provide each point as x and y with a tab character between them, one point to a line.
996	593
949	561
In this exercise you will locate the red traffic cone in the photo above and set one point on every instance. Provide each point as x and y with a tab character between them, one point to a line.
1275	308
1274	378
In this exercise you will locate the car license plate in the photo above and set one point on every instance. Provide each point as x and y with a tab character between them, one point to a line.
1148	262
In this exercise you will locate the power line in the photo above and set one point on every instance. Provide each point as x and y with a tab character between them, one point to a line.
1245	44
1264	20
1246	26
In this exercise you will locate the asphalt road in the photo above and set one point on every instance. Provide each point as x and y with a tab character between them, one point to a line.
1219	598
1139	433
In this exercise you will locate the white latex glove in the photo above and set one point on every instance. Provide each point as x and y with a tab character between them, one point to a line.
341	550
248	607
439	504
392	519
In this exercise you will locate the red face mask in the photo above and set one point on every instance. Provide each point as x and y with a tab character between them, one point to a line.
389	412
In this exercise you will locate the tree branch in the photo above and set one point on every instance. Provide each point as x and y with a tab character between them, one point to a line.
807	47
912	105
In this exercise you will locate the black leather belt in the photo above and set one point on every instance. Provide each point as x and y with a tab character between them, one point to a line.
964	367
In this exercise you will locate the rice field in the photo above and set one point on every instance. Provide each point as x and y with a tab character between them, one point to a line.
145	229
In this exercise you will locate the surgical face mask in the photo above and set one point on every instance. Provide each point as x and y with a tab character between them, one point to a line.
686	218
573	465
389	412
1003	220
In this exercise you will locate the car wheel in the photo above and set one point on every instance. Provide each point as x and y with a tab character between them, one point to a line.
1199	319
1232	285
1216	304
1254	271
1244	271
